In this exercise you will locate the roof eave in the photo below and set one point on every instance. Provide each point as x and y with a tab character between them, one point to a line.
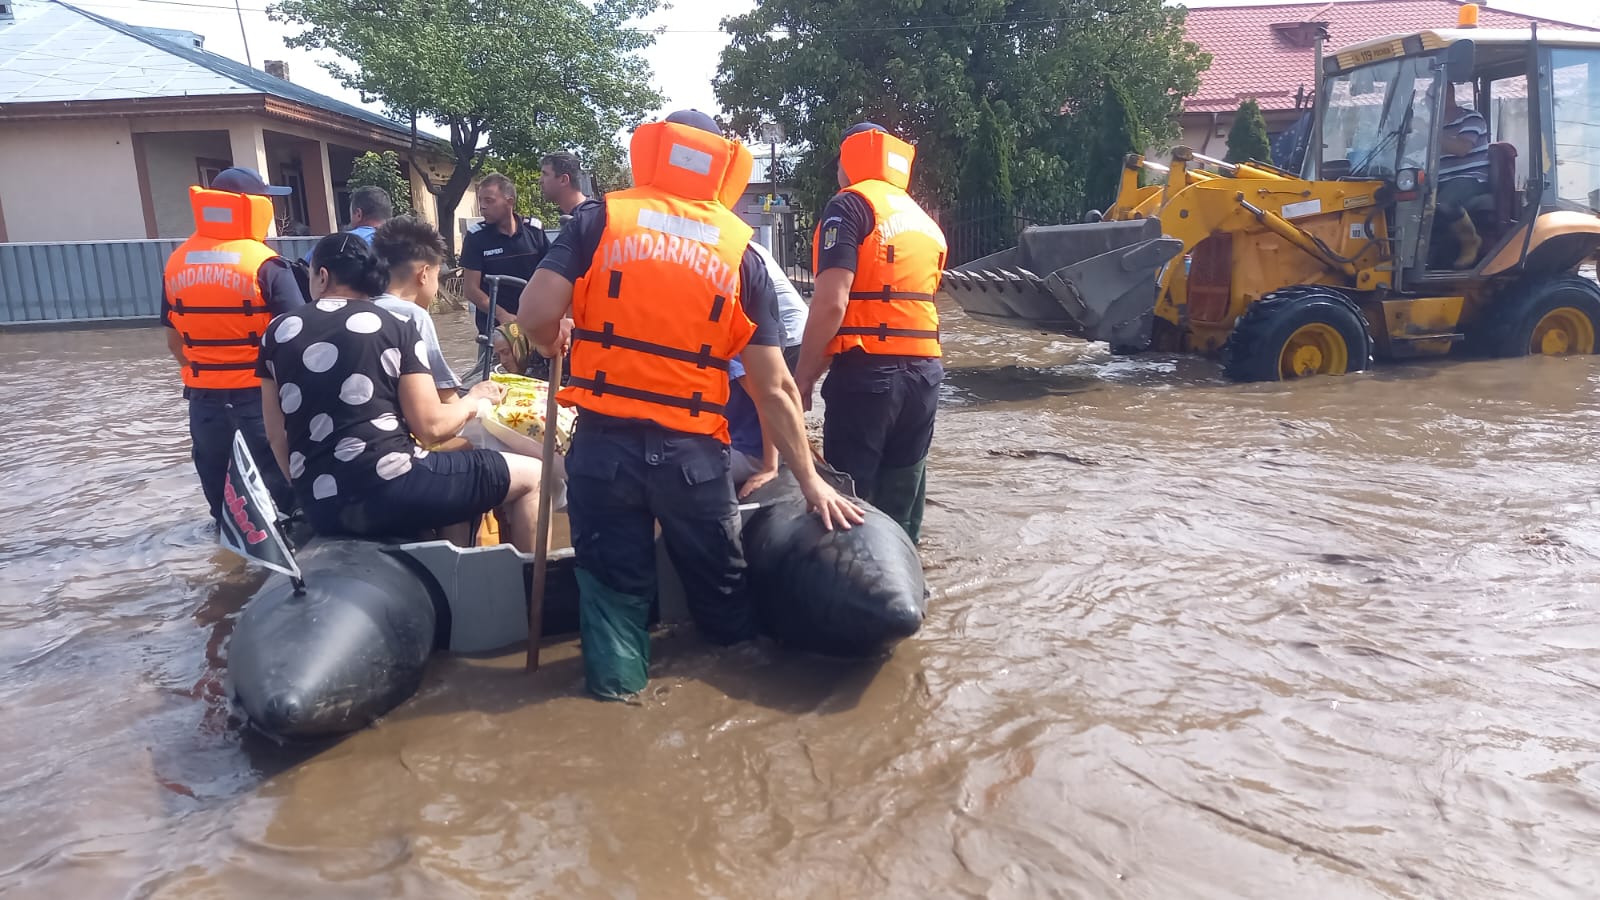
225	104
395	138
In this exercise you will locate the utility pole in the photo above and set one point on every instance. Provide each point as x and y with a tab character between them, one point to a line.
243	35
772	133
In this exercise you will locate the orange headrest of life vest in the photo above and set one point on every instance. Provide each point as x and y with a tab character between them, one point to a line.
228	216
690	163
877	156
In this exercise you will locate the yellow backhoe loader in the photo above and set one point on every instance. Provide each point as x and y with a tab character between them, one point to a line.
1450	199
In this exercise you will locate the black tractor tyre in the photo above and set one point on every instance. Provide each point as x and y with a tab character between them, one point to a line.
1506	329
1253	350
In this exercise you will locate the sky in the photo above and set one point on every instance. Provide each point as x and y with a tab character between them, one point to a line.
684	57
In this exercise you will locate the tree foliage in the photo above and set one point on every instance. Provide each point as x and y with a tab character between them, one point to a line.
503	77
1247	139
524	173
923	68
382	170
985	216
1115	134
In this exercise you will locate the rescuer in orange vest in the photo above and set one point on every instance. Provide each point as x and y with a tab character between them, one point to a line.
221	288
873	326
664	291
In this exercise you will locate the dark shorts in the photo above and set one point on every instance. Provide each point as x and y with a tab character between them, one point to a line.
441	489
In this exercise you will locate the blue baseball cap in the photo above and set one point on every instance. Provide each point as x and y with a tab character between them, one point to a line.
694	118
863	126
247	181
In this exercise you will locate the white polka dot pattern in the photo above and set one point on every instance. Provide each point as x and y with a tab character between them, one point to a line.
348	448
324	487
321	426
320	357
288	327
391	361
393	465
297	464
331	305
356	390
364	323
386	422
288	397
422	352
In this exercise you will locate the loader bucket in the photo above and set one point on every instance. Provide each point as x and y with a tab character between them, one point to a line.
1095	281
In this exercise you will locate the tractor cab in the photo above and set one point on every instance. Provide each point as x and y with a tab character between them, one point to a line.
1478	133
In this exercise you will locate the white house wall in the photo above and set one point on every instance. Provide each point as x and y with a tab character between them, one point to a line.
171	162
70	181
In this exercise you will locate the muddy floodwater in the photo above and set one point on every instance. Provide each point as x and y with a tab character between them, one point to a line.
1187	639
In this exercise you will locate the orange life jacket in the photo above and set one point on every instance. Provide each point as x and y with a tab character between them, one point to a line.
891	309
212	291
657	316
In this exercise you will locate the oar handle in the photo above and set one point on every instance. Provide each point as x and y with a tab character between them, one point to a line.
541	540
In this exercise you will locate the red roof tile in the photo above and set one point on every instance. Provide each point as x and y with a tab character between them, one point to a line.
1251	58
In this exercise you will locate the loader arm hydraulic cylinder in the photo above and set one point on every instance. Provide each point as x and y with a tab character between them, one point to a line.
1241	170
1281	227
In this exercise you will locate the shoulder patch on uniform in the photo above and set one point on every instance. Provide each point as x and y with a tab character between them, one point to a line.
830	237
534	223
475	227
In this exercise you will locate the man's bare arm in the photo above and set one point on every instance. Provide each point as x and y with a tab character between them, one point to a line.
828	304
544	302
777	401
272	418
175	346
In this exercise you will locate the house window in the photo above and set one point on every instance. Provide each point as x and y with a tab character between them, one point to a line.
209	169
292	211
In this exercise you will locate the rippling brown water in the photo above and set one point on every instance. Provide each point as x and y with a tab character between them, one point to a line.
1187	639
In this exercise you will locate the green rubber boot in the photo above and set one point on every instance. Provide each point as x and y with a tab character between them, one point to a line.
616	639
901	493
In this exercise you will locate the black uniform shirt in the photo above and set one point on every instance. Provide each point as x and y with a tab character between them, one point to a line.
846	222
573	253
491	251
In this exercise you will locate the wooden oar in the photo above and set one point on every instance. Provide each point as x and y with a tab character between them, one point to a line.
541	541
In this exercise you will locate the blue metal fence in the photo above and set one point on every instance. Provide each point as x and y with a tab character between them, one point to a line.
92	281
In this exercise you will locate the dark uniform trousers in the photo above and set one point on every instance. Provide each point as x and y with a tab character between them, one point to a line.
214	415
878	426
624	476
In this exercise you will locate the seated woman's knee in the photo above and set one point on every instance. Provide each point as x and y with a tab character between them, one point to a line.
525	474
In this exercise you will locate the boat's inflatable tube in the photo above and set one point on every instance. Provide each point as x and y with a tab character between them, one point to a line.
840	593
354	645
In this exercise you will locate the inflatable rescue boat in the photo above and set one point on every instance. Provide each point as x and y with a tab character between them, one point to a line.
345	634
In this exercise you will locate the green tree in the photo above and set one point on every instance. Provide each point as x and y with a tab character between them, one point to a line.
1115	135
524	173
383	170
923	68
1247	139
502	77
984	196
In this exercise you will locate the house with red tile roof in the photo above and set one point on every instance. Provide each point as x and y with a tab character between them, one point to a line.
1269	53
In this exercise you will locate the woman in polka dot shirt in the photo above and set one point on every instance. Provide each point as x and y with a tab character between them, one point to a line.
347	393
